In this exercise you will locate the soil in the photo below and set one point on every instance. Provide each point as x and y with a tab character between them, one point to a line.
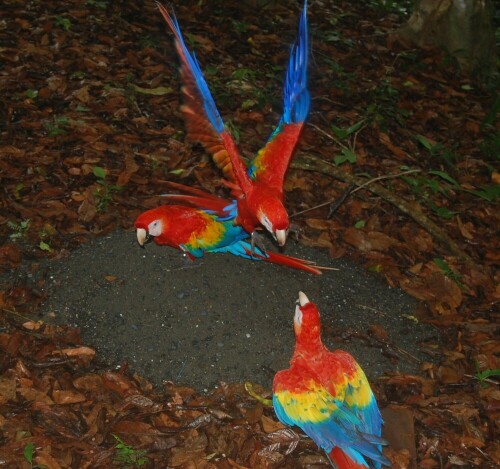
222	318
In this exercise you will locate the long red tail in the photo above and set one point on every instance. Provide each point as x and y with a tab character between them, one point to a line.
343	461
294	262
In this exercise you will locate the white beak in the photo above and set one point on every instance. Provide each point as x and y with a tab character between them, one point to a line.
280	237
141	236
303	300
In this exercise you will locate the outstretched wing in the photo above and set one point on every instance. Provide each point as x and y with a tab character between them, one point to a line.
272	161
203	121
224	209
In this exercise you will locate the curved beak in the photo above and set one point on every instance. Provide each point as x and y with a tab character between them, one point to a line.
280	236
142	236
303	300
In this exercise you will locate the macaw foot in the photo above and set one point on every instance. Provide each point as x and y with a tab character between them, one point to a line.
257	241
188	262
295	230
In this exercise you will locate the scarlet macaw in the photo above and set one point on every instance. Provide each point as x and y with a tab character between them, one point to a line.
195	231
259	188
327	395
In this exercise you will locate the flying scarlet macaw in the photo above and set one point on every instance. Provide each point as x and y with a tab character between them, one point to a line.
195	231
259	188
327	395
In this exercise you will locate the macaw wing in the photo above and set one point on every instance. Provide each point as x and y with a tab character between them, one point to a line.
212	234
224	209
203	121
299	399
271	162
359	397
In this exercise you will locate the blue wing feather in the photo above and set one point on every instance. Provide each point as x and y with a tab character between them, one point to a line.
297	99
191	61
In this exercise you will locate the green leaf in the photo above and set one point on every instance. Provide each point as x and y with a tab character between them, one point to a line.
99	172
32	94
423	140
44	246
243	74
443	212
345	155
489	193
448	271
442	264
359	224
159	91
433	185
29	451
177	171
248	104
344	133
65	23
444	176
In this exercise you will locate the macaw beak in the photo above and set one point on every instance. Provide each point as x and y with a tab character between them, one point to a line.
143	237
280	236
303	300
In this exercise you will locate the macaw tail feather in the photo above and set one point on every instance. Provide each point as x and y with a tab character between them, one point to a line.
340	460
281	259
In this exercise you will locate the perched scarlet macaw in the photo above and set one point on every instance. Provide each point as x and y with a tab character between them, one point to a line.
327	395
259	188
195	231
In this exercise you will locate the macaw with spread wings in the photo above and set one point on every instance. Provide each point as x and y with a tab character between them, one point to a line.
258	189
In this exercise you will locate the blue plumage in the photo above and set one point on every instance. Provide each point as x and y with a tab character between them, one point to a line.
296	98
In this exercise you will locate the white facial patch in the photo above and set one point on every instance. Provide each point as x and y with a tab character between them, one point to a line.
297	319
155	228
265	221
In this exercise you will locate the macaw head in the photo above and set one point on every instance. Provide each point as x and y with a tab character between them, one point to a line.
273	216
306	322
150	225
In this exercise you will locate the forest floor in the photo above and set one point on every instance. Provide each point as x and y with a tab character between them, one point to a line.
91	129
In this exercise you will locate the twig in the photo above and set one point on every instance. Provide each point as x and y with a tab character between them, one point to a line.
313	163
330	136
334	207
387	176
15	313
485	380
342	197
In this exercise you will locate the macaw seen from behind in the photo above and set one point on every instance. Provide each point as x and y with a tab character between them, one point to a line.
258	189
327	395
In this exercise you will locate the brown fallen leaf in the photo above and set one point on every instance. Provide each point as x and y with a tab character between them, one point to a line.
269	425
7	389
193	447
67	397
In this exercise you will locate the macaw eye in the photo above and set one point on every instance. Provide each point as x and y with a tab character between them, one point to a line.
155	228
